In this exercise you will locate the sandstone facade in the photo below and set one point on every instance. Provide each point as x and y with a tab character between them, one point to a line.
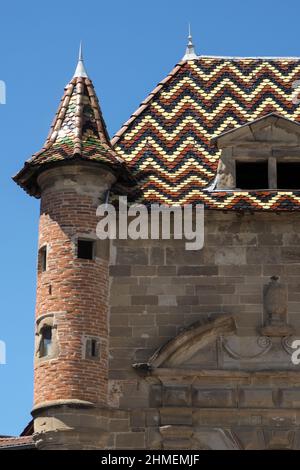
189	364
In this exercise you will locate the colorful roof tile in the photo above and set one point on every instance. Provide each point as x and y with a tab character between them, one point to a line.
78	132
169	141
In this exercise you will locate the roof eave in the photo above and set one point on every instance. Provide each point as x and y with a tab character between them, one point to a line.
26	178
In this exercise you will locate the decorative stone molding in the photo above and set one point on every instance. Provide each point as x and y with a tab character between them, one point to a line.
185	345
263	342
275	307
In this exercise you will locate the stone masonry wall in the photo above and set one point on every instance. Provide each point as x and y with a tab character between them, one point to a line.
157	288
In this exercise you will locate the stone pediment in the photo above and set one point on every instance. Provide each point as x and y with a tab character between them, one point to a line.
271	128
215	346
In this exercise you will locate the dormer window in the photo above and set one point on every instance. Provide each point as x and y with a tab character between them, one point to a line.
288	175
251	175
264	154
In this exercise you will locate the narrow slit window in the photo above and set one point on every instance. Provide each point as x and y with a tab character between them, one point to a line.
43	258
288	175
85	249
46	341
252	175
92	348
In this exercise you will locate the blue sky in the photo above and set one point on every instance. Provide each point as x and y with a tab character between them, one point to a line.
129	46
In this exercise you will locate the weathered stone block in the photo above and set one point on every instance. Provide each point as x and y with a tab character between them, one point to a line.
118	425
155	397
213	398
144	300
132	255
140	270
197	270
187	300
157	255
180	256
166	270
230	256
177	396
152	418
176	416
137	419
119	270
264	255
291	255
130	440
256	398
290	398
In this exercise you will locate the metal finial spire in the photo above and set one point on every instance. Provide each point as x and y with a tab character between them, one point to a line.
190	53
80	69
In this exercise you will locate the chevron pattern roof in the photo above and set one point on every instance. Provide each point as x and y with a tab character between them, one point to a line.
167	141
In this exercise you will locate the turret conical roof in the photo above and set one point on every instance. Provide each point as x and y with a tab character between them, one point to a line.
78	132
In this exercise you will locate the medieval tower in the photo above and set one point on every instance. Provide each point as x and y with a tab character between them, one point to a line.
72	283
142	344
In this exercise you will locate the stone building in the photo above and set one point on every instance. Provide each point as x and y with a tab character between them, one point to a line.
142	344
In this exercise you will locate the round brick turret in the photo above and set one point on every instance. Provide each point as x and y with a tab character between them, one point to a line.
72	175
71	292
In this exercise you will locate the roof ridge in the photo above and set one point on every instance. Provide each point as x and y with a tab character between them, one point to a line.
248	57
149	98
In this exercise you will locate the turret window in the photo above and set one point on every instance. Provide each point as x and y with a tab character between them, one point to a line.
46	338
46	341
91	347
43	259
85	249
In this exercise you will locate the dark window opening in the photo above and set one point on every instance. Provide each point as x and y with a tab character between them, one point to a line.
92	348
85	249
252	175
288	175
46	341
43	258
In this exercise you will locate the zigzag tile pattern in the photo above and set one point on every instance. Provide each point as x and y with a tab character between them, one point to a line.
167	142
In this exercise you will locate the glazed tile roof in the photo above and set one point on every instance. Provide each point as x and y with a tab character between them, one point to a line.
168	144
77	132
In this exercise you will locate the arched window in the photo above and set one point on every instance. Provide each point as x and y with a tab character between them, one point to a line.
46	338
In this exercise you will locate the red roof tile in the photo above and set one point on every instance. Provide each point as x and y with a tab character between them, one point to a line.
15	442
